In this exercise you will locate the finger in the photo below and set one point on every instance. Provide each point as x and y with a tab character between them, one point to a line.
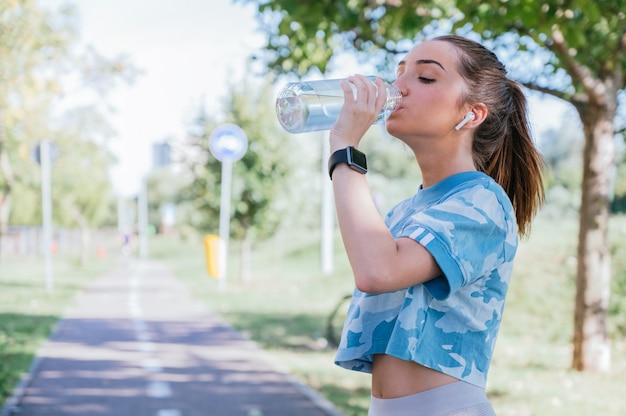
347	91
368	87
365	101
381	98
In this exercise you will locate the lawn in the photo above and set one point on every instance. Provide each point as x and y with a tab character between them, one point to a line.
28	312
285	305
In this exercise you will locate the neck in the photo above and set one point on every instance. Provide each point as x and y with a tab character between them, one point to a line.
438	161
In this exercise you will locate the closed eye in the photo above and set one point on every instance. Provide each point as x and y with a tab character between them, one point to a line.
426	80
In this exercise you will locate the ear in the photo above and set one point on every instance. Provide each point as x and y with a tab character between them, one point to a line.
480	112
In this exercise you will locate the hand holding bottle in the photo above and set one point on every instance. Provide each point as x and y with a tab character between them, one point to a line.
363	102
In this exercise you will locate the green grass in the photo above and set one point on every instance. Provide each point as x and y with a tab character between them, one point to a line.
28	312
285	305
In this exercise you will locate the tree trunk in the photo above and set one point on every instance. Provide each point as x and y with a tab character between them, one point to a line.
85	230
9	180
85	245
591	345
246	255
5	210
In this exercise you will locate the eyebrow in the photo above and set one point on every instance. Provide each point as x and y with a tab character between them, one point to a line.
424	61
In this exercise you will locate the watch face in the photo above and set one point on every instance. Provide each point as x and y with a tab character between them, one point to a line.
357	159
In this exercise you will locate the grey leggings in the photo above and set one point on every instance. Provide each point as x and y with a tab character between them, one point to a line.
455	399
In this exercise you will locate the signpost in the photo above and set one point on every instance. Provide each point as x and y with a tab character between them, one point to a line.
45	153
227	143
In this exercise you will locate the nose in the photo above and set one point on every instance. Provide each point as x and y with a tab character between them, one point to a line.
399	85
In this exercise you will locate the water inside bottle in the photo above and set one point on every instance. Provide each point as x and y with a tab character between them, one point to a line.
308	112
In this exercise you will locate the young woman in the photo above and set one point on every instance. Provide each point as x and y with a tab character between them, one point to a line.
431	278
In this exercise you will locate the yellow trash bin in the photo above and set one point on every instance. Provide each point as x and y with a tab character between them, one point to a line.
213	246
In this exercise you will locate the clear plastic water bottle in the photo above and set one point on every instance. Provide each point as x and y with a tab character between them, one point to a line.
315	105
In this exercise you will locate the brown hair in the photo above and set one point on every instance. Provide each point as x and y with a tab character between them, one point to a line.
503	147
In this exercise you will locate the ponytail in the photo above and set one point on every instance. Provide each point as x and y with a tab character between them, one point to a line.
502	146
517	165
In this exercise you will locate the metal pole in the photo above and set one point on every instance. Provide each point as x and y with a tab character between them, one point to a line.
225	195
143	218
46	202
327	238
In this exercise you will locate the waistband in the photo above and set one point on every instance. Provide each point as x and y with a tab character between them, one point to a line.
456	398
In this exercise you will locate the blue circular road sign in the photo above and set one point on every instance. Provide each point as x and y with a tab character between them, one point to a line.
228	142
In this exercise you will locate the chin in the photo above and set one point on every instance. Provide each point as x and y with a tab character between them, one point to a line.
392	127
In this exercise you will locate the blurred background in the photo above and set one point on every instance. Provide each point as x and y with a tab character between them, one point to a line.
131	85
127	94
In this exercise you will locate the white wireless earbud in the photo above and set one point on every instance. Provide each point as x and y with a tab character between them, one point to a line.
468	117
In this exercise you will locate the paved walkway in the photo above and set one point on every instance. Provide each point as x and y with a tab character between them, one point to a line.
135	343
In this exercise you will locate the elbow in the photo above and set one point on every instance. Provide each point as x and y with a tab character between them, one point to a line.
370	283
366	287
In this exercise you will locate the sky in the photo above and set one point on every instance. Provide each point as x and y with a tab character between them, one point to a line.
187	51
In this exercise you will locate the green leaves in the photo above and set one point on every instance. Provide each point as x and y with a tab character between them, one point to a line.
260	181
309	33
39	69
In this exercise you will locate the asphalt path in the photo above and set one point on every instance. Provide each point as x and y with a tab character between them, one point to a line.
136	343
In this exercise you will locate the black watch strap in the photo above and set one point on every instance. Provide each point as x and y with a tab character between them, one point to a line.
355	159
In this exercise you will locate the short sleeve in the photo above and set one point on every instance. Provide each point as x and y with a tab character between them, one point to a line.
467	234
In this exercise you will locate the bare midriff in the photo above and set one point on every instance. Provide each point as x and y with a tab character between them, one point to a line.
393	378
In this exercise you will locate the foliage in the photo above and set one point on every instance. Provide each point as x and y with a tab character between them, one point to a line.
562	153
29	45
45	83
307	34
385	156
164	187
618	204
551	46
617	309
198	202
261	187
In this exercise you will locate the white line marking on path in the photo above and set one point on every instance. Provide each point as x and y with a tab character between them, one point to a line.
143	336
159	389
147	347
154	389
168	412
152	365
140	326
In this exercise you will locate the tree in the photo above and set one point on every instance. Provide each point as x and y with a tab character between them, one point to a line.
573	51
165	184
260	188
40	72
27	41
82	191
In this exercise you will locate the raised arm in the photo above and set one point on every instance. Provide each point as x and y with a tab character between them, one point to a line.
379	262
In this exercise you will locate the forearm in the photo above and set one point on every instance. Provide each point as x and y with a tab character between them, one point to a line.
368	242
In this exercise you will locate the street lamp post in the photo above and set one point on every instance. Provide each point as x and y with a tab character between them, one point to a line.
227	143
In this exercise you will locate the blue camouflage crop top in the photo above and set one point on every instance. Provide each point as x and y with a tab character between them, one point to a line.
450	323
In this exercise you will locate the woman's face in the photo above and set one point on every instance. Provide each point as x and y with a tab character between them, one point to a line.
432	91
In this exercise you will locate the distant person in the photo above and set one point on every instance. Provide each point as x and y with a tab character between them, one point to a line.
432	277
126	244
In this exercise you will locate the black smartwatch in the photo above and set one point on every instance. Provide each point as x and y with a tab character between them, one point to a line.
353	158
